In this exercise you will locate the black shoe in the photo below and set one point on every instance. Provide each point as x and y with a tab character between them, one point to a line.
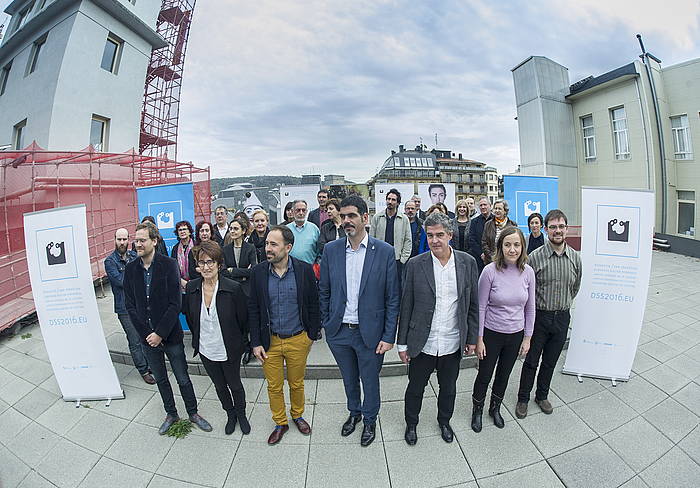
368	434
447	434
349	425
477	411
411	436
231	423
243	422
495	412
245	358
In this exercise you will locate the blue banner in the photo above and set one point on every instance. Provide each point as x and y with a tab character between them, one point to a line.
530	194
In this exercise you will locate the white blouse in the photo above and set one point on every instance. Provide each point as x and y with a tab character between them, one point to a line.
211	340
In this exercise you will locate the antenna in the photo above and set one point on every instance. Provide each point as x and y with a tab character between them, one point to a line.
436	144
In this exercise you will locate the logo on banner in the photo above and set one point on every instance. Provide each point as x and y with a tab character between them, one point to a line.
531	208
165	220
528	203
166	213
56	253
617	231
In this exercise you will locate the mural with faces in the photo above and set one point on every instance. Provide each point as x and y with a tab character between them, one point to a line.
617	231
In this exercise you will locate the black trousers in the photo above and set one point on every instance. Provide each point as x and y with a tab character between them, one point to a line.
226	376
547	341
502	351
419	370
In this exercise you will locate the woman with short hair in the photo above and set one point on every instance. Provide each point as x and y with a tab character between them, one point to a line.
332	228
536	238
493	228
203	233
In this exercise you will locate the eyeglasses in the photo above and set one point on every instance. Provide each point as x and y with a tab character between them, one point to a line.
208	263
555	227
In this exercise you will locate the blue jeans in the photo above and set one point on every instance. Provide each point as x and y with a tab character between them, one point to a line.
135	345
178	363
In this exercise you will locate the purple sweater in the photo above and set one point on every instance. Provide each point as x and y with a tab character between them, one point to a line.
507	300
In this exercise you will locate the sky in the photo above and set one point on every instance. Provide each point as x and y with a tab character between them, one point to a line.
331	87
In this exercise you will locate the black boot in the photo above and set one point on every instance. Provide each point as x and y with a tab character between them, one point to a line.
495	411
243	422
477	411
231	423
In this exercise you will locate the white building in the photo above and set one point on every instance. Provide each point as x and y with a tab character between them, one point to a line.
72	72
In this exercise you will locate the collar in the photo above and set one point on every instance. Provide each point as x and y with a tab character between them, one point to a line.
295	226
550	249
153	262
363	243
450	262
289	267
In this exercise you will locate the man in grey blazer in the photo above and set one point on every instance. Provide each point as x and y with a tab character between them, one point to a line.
439	320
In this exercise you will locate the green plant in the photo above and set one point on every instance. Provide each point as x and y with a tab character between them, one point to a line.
180	429
26	336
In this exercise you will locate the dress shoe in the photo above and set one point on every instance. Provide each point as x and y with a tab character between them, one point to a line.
368	434
231	423
199	421
245	358
277	434
495	412
477	411
545	406
349	425
446	432
411	436
167	423
243	422
303	426
148	378
521	410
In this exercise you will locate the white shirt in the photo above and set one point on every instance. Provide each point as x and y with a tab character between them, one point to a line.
211	340
354	262
222	230
444	332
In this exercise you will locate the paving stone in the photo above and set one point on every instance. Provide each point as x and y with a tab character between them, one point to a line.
325	459
12	423
677	341
672	418
262	426
691	334
393	388
685	365
328	391
61	417
327	422
394	424
669	323
108	473
675	469
638	393
635	482
140	446
689	396
33	443
669	380
255	462
35	403
643	362
26	367
569	389
441	464
13	388
13	469
691	444
638	443
593	464
3	406
165	482
152	413
51	385
683	318
211	468
653	330
67	464
660	351
545	431
539	474
603	411
108	426
465	380
34	480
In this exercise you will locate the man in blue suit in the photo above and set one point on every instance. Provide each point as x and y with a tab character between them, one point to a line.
359	295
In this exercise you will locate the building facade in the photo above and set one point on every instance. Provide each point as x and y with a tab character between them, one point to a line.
72	72
616	130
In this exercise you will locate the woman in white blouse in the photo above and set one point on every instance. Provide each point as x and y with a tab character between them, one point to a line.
217	314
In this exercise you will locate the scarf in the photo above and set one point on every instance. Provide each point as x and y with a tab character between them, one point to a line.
182	261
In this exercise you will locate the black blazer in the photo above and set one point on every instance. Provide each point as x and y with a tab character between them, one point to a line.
231	308
215	236
165	299
259	243
259	302
327	234
240	271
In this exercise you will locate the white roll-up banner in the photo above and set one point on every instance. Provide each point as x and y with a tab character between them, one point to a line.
616	243
64	297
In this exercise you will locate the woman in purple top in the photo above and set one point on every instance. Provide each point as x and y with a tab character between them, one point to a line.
506	320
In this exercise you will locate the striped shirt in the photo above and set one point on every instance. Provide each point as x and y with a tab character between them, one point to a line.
558	277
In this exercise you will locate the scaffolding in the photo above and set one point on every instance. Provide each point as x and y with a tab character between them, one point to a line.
161	101
35	179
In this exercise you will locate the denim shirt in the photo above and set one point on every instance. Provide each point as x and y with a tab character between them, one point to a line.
284	309
115	266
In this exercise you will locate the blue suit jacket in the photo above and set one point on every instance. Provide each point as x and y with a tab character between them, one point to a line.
378	309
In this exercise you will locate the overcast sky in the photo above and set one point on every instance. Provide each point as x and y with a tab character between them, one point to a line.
284	87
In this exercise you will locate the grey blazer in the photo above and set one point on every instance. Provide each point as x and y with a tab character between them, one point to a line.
418	301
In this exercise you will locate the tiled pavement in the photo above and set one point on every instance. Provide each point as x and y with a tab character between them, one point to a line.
644	432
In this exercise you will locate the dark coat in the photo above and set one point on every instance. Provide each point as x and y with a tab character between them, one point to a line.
476	229
115	267
259	302
215	235
239	272
173	254
259	243
315	217
488	238
327	234
231	308
165	298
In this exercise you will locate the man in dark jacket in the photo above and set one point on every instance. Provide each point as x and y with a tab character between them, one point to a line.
115	265
476	229
284	318
152	293
319	215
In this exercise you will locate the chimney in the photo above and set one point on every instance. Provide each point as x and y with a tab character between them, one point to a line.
460	156
400	148
393	152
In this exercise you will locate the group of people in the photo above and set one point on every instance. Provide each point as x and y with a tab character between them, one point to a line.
470	287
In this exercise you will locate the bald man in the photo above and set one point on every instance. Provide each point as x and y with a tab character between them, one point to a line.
115	264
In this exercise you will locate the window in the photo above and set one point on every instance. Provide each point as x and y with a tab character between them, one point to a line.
686	212
619	128
99	131
18	135
34	57
111	54
22	17
4	76
681	137
588	138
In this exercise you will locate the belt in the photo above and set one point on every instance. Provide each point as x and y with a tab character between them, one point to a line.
350	326
287	336
552	312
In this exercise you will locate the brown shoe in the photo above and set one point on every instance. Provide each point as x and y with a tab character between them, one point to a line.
521	410
277	434
148	378
303	426
545	406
